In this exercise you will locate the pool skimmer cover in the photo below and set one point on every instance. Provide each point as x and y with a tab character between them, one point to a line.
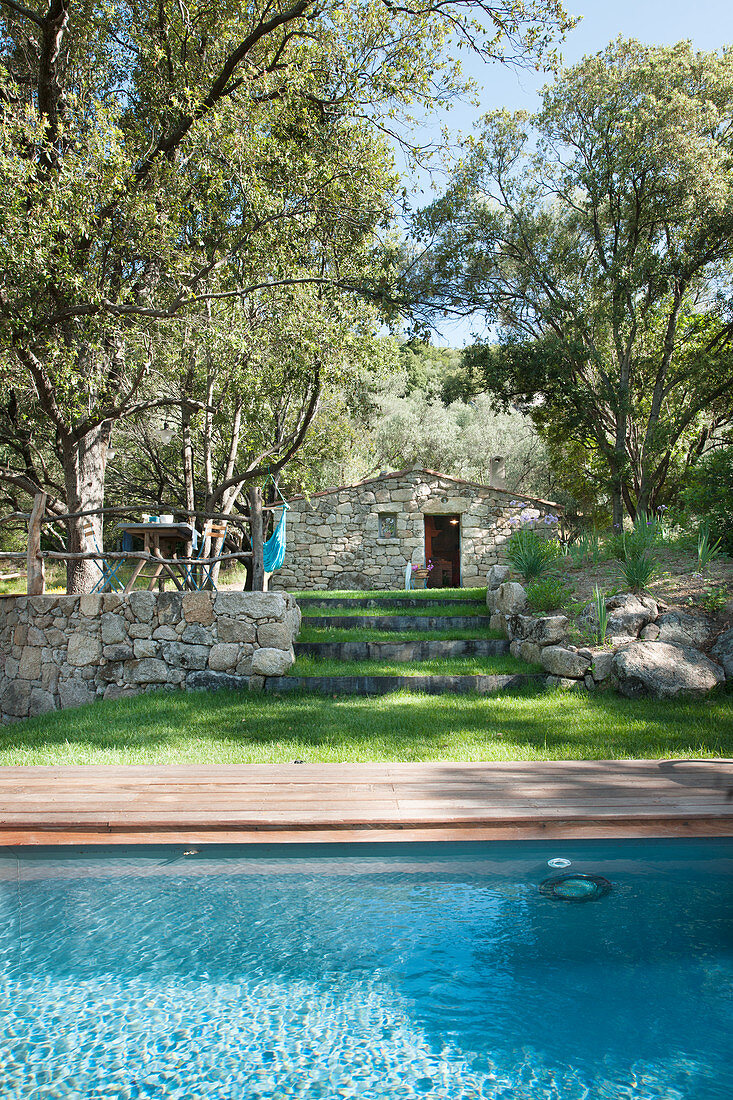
575	887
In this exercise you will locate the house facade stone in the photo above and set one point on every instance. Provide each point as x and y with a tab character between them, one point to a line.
363	536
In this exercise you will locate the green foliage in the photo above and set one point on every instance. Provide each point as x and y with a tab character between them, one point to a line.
601	615
393	426
709	494
714	599
586	548
707	550
548	592
637	573
530	555
590	232
644	535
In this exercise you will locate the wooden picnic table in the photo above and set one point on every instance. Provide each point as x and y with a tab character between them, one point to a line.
160	540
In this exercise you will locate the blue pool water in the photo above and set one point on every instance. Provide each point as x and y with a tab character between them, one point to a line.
401	971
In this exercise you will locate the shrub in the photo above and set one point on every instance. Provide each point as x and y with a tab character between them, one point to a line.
644	535
709	494
530	554
714	600
637	572
548	592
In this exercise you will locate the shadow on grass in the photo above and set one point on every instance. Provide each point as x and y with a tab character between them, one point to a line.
231	727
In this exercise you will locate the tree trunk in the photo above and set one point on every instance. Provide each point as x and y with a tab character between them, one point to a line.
256	538
35	575
85	462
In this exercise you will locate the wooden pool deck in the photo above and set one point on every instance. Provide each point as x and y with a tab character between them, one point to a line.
312	803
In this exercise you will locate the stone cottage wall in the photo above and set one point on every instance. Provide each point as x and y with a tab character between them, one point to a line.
333	538
62	651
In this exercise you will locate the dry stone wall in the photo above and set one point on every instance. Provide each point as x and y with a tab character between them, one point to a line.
63	651
645	652
334	539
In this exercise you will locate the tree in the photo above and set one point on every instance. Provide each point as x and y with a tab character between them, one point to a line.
597	235
709	494
158	156
391	423
260	373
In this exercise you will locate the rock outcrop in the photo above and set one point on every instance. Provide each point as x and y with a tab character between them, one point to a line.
665	671
645	652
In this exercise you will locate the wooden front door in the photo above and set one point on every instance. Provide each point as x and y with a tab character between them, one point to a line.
443	549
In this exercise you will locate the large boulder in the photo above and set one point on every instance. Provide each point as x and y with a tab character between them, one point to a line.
664	671
602	664
565	663
272	662
511	598
722	651
679	628
545	631
497	575
629	614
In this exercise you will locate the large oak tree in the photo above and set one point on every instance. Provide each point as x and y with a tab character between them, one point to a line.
597	237
153	154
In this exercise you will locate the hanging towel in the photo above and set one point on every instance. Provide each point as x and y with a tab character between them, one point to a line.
273	551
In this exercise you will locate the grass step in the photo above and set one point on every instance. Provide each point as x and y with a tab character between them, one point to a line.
310	633
421	610
462	665
400	622
469	595
384	685
418	650
386	602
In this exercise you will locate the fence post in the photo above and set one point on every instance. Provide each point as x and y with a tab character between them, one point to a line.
256	538
36	581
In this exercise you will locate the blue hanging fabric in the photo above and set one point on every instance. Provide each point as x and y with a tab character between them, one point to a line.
273	551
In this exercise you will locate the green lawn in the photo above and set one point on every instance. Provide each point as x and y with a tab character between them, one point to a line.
470	594
432	608
439	666
226	727
359	634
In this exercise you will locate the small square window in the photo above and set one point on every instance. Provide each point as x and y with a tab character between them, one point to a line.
387	525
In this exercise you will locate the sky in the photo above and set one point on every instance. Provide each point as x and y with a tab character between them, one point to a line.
708	24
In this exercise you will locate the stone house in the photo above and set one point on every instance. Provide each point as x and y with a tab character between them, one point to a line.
362	536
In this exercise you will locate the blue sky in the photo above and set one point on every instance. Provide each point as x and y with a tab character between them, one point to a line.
707	23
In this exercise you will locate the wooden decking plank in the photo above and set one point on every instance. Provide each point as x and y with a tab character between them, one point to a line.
50	804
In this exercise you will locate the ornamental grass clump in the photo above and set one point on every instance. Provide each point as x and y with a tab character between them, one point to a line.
530	555
548	592
707	551
639	571
587	547
646	534
601	616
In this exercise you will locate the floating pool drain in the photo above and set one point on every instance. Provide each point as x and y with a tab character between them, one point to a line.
575	887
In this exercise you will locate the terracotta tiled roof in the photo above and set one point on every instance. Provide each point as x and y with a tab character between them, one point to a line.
431	473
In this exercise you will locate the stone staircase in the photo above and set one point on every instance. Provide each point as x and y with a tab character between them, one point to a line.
392	615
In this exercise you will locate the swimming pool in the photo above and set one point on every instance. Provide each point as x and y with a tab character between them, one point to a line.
337	971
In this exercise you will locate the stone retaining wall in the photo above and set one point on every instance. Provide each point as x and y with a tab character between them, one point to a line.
335	539
62	651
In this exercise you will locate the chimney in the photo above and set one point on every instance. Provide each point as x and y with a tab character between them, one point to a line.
498	472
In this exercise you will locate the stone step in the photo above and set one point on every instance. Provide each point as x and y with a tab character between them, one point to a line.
383	685
400	622
404	651
386	602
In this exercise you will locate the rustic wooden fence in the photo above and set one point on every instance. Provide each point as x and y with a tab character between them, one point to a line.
36	558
